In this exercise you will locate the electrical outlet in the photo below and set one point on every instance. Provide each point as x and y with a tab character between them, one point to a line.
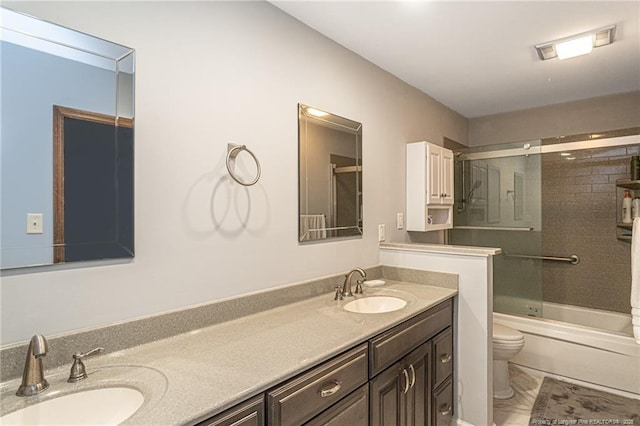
34	223
399	221
381	232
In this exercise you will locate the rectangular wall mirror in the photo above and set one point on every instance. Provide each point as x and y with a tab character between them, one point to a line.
67	145
330	176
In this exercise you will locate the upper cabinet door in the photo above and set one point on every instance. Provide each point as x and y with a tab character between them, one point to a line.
429	187
434	184
446	178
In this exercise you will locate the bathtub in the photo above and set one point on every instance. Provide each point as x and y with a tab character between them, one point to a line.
566	342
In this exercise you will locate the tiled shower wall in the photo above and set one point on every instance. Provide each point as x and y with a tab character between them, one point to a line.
580	208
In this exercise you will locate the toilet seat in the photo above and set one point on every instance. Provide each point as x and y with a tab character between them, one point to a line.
514	347
505	335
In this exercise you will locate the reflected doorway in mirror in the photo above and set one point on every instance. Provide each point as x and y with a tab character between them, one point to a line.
93	186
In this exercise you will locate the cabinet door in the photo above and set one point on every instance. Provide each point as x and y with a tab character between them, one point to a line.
418	364
352	410
387	401
434	162
443	357
249	413
443	405
401	395
446	178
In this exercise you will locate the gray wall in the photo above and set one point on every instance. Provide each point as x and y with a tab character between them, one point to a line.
209	73
585	116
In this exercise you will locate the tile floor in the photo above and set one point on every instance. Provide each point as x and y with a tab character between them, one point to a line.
516	410
526	383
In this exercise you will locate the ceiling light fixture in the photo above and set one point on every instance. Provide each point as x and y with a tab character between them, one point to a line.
576	45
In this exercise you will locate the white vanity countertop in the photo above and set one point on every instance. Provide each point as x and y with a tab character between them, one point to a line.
442	248
192	376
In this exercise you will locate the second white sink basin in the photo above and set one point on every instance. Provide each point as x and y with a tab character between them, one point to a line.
375	305
105	406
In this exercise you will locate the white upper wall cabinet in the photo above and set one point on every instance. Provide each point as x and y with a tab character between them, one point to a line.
429	187
440	174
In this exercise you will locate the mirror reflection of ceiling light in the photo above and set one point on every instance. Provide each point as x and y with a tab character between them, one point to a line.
576	45
316	112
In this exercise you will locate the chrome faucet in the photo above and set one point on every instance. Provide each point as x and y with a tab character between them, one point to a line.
346	286
33	380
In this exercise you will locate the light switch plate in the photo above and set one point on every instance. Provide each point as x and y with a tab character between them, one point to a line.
34	223
381	232
399	221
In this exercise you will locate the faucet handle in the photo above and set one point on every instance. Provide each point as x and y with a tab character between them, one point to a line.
78	371
358	287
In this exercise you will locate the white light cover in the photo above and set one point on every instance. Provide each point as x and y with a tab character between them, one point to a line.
575	47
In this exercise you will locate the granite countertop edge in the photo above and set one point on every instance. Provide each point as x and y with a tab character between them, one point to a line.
192	376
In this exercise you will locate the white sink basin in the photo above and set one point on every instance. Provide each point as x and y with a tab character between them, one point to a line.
105	406
375	305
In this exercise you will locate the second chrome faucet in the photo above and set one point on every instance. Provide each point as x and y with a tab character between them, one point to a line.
33	380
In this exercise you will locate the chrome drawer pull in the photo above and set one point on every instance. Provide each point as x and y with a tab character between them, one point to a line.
413	375
445	358
332	390
445	409
406	381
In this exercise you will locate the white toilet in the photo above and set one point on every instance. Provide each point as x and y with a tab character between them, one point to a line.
507	342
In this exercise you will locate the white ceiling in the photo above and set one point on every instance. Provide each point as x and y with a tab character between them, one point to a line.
478	57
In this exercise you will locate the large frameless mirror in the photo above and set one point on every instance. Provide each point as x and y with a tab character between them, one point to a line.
66	145
330	176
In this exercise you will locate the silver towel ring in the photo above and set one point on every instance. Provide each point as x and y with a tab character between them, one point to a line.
232	152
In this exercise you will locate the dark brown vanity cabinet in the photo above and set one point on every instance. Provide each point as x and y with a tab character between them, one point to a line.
443	404
248	413
301	399
401	394
402	377
414	388
352	410
443	378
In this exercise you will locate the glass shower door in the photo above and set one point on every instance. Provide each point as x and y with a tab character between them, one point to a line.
498	204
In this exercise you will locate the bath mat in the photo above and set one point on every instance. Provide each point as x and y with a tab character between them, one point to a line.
563	403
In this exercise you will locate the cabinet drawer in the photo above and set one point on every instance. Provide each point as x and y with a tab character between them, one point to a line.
402	339
249	413
443	356
302	398
352	410
443	405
